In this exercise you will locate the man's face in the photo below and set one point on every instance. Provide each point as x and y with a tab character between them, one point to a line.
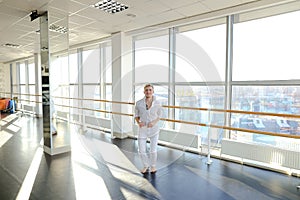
148	91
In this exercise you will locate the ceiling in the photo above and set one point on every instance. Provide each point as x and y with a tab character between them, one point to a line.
86	23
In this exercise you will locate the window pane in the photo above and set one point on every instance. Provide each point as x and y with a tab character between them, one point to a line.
151	57
200	97
22	73
200	54
24	96
273	99
91	66
91	92
73	65
107	65
14	74
108	96
32	92
31	73
267	49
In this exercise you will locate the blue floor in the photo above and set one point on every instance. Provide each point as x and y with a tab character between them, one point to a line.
103	168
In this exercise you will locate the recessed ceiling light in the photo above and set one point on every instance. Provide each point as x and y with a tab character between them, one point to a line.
11	45
110	6
58	29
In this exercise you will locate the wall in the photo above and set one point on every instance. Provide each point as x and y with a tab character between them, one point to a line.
4	78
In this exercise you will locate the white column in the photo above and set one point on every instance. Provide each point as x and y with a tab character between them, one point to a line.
121	84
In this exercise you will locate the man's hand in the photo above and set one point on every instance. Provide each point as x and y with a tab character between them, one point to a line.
150	125
141	124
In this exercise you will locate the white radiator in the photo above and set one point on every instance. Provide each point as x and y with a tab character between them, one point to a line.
270	155
27	108
98	122
185	140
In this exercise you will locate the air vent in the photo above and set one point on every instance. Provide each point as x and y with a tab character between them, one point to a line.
58	29
11	45
110	6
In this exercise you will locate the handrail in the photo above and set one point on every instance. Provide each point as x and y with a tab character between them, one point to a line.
29	101
235	111
232	128
96	110
24	94
182	121
100	100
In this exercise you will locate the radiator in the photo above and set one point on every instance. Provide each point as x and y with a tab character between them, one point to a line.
29	108
267	154
98	122
179	138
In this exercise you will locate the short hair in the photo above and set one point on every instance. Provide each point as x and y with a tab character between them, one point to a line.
148	85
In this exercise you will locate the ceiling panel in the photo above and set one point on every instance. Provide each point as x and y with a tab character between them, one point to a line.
86	2
155	7
169	16
177	4
6	21
80	20
192	9
12	11
26	5
220	4
66	5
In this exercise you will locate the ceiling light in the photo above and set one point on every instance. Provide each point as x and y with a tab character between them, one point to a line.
11	45
110	6
58	29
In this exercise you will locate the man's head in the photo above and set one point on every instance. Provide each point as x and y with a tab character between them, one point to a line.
148	90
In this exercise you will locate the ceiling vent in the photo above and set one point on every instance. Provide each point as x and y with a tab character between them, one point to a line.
110	6
11	45
58	29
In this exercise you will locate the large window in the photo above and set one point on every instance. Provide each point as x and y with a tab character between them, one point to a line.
267	53
96	78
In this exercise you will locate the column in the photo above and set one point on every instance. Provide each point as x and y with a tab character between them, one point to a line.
51	42
122	70
45	57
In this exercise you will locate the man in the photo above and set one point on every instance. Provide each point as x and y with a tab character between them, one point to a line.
147	113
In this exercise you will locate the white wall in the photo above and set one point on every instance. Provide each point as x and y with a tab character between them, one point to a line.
4	78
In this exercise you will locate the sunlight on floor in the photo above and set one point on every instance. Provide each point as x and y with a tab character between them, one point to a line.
13	128
122	170
88	185
4	137
25	190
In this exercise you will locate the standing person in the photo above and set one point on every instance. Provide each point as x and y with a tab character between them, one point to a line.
147	113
